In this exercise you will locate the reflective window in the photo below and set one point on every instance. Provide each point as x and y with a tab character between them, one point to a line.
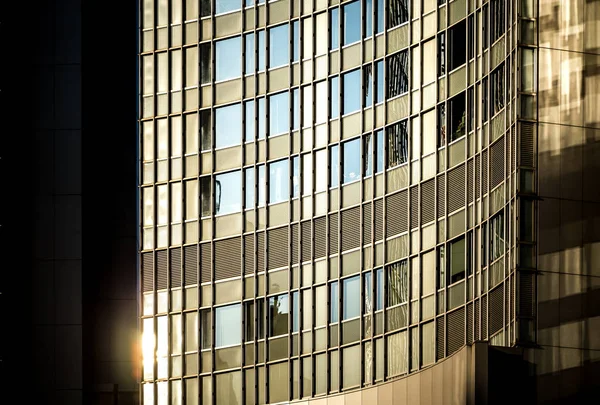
205	9
497	90
228	128
397	12
334	23
228	192
368	85
249	198
397	283
205	63
397	144
205	329
368	18
279	115
351	23
296	176
321	34
278	315
205	129
497	236
428	271
428	61
496	19
249	321
296	41
321	101
334	180
397	73
456	253
334	92
333	304
352	92
457	117
441	267
279	181
307	175
441	125
261	185
279	53
368	155
228	321
378	289
457	51
296	108
350	293
441	54
321	170
205	195
368	292
379	81
228	58
261	50
379	151
262	128
295	312
225	6
249	54
351	164
250	121
379	20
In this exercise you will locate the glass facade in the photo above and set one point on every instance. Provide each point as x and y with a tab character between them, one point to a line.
325	186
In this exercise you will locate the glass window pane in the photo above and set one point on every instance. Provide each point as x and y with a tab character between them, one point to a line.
205	129
368	18
334	23
228	321
352	92
228	192
397	73
205	63
321	305
228	388
262	118
296	41
225	6
397	144
176	203
307	175
191	133
321	170
379	81
397	355
351	366
205	328
457	260
249	55
296	176
379	151
428	269
334	302
279	53
429	65
249	321
191	199
350	305
228	58
191	67
228	128
191	331
250	121
307	38
457	47
322	100
368	155
397	283
295	311
261	50
379	21
176	69
261	186
427	343
307	106
335	96
397	12
351	164
368	85
296	108
249	200
429	133
205	195
278	315
279	114
321	34
378	289
279	189
368	292
334	162
352	22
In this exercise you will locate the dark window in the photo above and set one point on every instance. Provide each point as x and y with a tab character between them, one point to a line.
205	329
471	39
205	195
249	320
457	40
397	12
457	116
397	283
456	260
260	318
378	289
379	151
484	26
205	70
471	109
496	19
397	74
441	125
483	245
397	144
497	236
497	90
205	129
484	99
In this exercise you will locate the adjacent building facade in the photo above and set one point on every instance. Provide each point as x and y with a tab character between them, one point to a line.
341	199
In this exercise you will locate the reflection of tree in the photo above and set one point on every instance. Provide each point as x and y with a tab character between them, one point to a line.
397	283
278	315
397	12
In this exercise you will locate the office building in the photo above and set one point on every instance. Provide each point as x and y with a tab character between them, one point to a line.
369	201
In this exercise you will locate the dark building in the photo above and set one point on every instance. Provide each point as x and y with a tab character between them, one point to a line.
68	211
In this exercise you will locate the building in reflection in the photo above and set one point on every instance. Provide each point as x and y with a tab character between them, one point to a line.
369	201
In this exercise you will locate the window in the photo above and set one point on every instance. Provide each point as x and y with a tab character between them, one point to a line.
484	99
352	91
379	20
471	109
205	329
321	34
368	18
249	54
191	206
279	189
249	198
350	293
228	128
205	129
279	53
471	39
334	24
457	54
428	61
441	268
378	289
260	318
228	321
457	116
368	85
250	121
307	175
496	19
441	125
321	101
334	180
296	108
191	69
368	155
249	318
379	151
296	41
351	23
278	315
205	195
296	176
497	90
397	12
261	185
261	118
397	144
295	312
441	54
333	304
334	84
205	63
397	74
228	58
456	259
397	283
205	9
483	245
225	6
497	236
379	81
428	273
368	292
321	170
228	190
351	163
279	115
261	50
